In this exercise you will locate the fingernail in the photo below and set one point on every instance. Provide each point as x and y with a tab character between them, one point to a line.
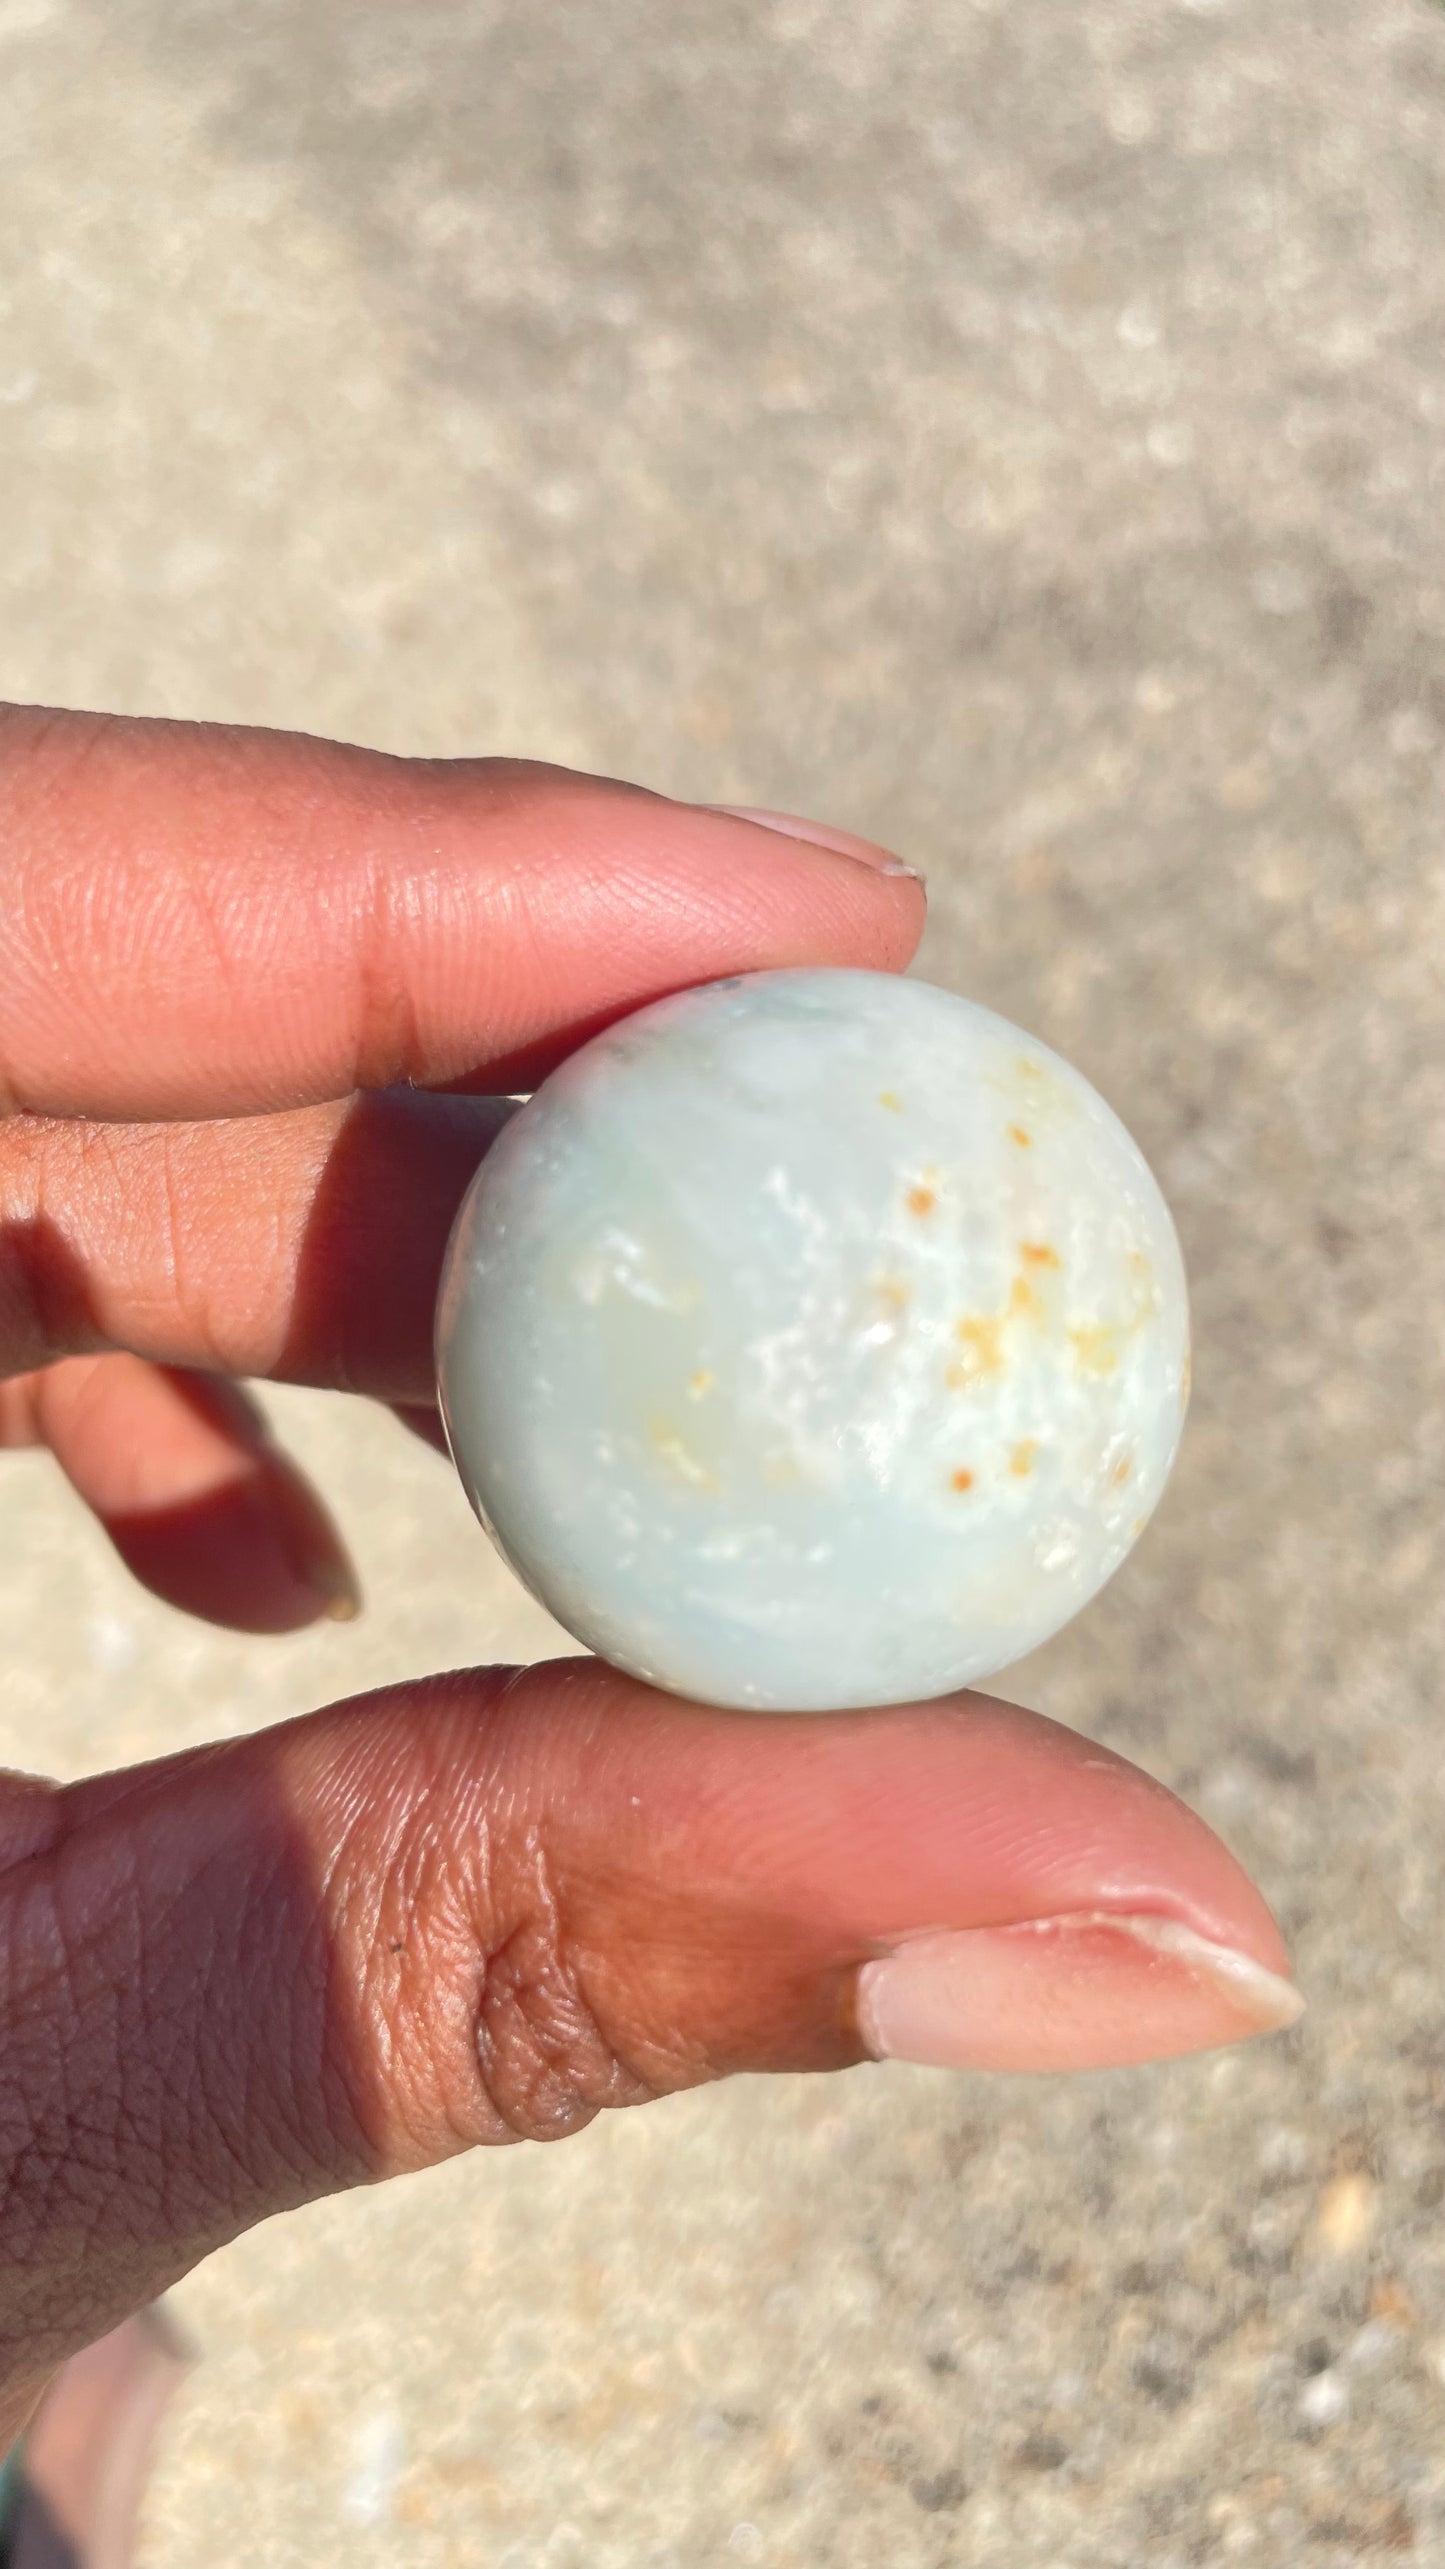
329	1576
311	1543
336	1584
818	834
1093	1990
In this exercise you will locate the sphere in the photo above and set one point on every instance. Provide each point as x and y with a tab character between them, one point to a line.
814	1339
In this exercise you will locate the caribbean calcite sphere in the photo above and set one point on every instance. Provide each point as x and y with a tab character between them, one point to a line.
814	1339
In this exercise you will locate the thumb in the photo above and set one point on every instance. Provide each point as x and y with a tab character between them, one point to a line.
483	1907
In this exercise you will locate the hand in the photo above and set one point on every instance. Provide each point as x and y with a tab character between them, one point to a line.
258	997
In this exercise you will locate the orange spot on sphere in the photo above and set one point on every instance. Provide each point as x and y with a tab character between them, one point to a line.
1021	1461
1096	1348
1017	1134
920	1200
982	1343
962	1480
1037	1253
1122	1469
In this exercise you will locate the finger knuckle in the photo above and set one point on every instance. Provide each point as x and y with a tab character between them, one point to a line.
546	2064
491	2023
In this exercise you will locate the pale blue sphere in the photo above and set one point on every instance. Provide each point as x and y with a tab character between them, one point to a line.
814	1339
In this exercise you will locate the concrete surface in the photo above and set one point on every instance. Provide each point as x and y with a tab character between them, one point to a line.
1016	434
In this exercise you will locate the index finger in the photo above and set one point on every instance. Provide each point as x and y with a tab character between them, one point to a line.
202	920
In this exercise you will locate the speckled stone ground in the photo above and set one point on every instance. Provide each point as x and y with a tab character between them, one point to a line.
1016	434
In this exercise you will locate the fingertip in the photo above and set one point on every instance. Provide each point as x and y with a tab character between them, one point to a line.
203	1508
826	895
308	1541
255	1554
880	860
964	1811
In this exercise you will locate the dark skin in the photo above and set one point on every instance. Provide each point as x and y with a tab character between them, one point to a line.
259	999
